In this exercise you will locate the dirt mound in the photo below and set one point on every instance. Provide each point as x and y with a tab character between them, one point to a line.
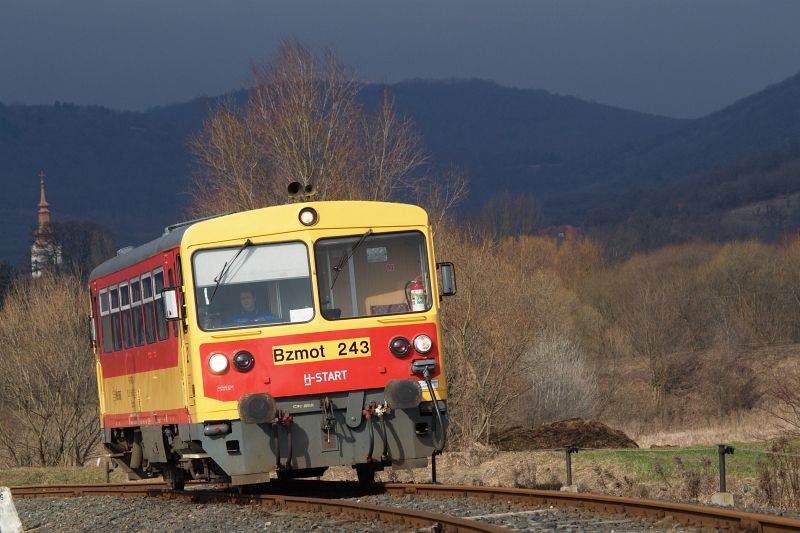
573	432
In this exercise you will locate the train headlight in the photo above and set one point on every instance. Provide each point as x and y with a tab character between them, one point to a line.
423	343
308	216
399	346
243	361
218	363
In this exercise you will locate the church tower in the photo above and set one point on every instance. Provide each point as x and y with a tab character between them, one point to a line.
43	252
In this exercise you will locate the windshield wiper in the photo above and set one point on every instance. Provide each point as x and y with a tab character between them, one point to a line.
340	265
226	266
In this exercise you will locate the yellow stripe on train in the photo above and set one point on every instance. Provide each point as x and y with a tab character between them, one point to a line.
155	390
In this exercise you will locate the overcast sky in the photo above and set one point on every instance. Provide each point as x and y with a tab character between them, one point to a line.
682	58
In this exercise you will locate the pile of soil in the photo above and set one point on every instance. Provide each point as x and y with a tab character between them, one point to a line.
573	432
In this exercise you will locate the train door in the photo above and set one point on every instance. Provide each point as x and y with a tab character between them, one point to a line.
174	276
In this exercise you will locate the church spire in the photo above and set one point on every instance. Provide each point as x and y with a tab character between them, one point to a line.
44	212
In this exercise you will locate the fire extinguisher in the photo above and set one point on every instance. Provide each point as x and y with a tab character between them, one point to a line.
415	294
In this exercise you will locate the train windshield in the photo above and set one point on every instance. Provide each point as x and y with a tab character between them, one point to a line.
373	274
253	285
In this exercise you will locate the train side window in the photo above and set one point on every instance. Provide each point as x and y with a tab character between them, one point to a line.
125	315
163	330
105	321
136	312
149	312
116	332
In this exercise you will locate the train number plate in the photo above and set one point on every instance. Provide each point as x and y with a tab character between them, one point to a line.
310	352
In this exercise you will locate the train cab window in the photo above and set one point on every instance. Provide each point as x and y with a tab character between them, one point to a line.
105	321
125	315
373	274
253	285
116	327
149	308
136	312
161	321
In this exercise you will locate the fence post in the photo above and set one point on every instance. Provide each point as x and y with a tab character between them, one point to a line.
569	450
723	451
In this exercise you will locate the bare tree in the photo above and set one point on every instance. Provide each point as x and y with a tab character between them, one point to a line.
48	393
505	215
306	110
750	292
502	311
440	194
231	172
564	383
487	337
393	151
303	122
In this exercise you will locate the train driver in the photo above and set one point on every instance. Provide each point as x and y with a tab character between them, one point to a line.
249	312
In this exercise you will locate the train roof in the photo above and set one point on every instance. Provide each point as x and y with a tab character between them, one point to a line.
140	253
282	219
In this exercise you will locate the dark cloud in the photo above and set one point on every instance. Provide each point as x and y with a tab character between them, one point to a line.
680	58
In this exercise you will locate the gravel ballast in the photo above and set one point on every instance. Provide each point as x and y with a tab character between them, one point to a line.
123	515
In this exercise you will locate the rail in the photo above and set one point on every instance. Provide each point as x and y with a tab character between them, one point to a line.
686	514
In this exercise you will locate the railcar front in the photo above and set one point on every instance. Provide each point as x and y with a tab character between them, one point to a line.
308	337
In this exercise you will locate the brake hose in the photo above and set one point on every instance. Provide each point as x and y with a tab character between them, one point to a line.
435	415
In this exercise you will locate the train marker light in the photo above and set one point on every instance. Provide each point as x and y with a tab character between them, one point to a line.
243	361
423	344
308	216
399	346
218	363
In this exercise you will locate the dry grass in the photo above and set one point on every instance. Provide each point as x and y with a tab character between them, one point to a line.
59	475
751	426
670	476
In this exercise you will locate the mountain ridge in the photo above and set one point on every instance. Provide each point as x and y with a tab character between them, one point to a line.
130	170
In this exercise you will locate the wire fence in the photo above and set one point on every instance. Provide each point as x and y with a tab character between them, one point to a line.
777	471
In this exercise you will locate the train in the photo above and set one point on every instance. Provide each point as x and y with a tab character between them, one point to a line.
274	344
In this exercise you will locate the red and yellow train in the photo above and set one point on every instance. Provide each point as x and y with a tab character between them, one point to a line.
281	340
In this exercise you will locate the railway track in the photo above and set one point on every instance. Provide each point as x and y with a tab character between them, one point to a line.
294	497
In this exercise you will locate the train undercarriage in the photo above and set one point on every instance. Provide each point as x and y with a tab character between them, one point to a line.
301	437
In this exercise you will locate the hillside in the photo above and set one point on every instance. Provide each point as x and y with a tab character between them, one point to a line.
469	118
756	198
124	169
766	120
130	170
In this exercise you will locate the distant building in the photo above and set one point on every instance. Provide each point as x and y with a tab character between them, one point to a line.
44	252
561	233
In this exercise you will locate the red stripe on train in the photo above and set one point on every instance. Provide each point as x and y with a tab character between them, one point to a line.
159	356
320	376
